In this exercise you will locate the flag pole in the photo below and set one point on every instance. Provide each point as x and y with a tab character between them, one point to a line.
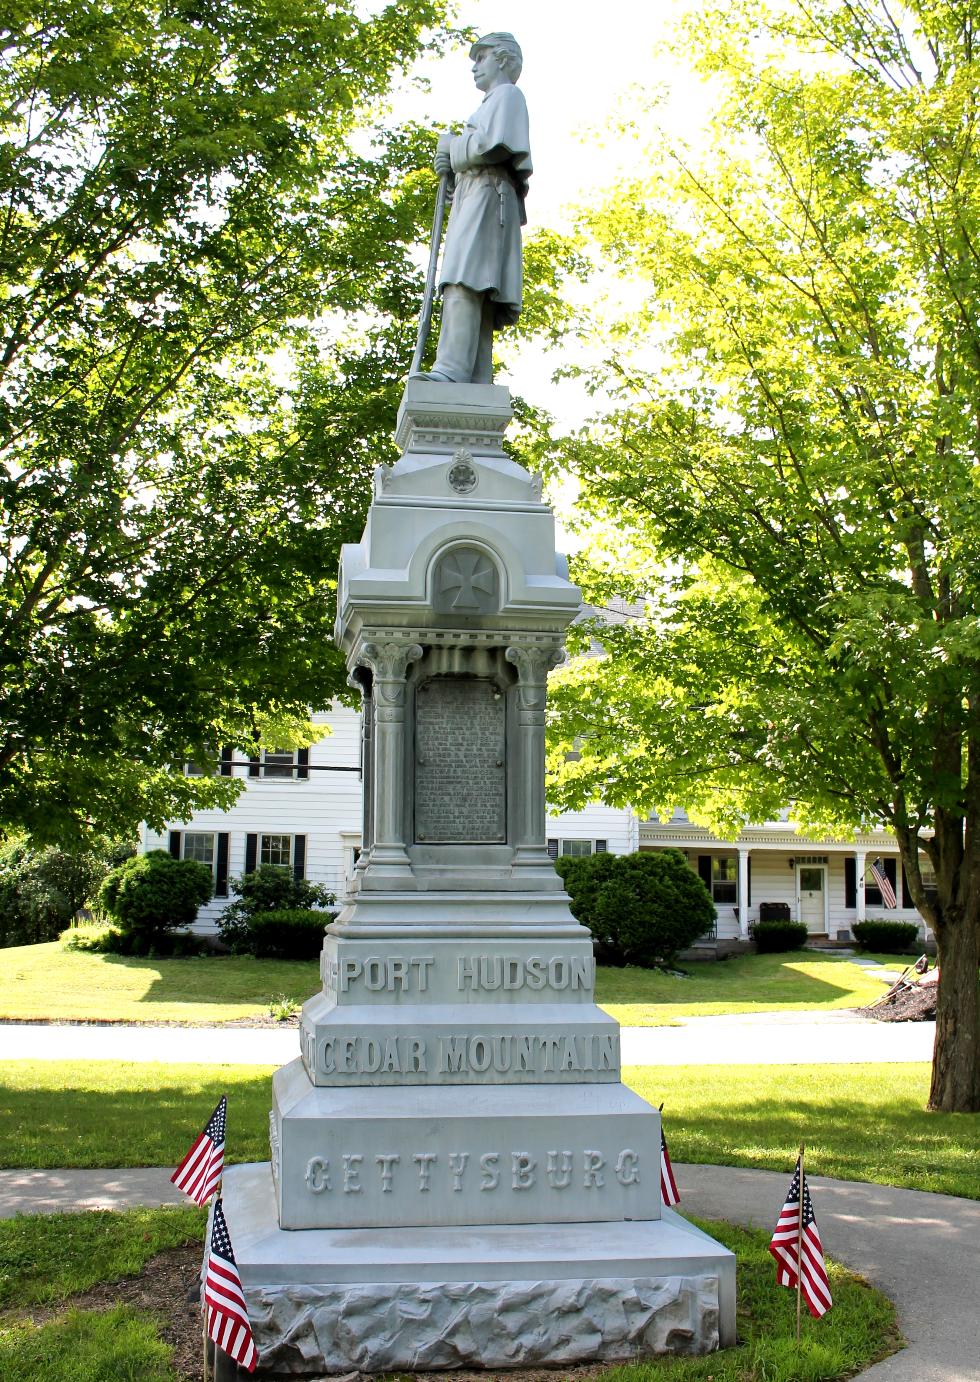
799	1251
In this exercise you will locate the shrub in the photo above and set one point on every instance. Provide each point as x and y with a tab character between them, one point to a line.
296	934
640	908
41	889
583	876
153	894
889	937
110	940
773	936
267	889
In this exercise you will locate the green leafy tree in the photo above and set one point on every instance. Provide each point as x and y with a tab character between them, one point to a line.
786	476
43	887
192	210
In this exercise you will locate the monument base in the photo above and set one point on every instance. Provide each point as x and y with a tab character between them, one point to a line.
507	1296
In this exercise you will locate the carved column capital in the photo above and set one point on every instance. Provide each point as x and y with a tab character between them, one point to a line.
389	662
533	664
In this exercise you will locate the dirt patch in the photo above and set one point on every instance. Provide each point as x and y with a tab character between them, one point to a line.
917	1004
168	1289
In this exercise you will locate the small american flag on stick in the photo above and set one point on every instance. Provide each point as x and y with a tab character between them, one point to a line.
225	1315
200	1171
796	1246
668	1186
884	884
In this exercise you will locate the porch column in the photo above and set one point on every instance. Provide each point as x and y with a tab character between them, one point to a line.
860	855
743	892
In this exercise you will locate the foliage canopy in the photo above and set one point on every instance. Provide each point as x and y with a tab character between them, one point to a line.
191	208
787	477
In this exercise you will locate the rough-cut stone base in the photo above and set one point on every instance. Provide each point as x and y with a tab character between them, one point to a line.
389	1327
507	1296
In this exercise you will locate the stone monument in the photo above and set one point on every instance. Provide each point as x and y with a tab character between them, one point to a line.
458	1176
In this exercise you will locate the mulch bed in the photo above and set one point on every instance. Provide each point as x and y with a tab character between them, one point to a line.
162	1289
908	1005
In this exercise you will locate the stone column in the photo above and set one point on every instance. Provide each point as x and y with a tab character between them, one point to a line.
389	661
743	892
860	855
533	665
360	679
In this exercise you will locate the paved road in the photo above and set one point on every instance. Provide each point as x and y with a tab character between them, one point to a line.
800	1038
920	1249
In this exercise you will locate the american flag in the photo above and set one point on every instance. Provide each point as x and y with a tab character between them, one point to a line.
668	1186
785	1245
226	1318
200	1171
884	884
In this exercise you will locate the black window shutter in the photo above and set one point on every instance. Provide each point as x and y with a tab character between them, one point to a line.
302	763
227	756
299	857
251	851
175	843
254	766
850	882
906	898
601	847
704	869
552	849
221	870
748	900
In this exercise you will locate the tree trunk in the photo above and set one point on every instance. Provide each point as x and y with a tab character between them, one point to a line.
956	1061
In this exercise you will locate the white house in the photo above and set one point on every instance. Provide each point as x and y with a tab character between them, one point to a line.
302	809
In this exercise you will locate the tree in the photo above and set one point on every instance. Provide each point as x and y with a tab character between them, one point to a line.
789	462
191	213
42	889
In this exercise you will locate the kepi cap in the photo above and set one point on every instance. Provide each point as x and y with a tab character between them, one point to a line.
501	40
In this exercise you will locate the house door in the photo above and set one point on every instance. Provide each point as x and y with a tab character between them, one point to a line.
813	898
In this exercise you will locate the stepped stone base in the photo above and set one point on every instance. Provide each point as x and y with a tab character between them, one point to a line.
377	1300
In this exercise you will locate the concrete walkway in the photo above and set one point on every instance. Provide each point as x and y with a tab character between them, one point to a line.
788	1038
920	1249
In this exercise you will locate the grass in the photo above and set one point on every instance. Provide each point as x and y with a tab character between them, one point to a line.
119	1345
48	982
798	981
123	1345
45	1259
860	1122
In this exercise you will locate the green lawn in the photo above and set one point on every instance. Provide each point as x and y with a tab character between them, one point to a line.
50	982
860	1122
47	981
744	984
44	1260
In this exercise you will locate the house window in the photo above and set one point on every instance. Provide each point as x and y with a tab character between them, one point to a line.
724	877
199	847
278	762
276	850
289	765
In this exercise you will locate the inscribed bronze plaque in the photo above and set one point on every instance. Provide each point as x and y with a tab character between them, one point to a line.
460	793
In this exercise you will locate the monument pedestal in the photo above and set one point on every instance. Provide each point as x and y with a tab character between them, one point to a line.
503	1296
458	1176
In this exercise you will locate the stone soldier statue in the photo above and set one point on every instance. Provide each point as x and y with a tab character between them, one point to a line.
481	275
